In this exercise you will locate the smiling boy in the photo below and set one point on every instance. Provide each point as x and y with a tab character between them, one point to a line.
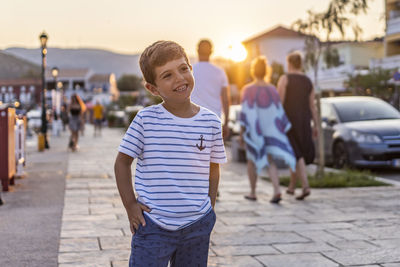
178	146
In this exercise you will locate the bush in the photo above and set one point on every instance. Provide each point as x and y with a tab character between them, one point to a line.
346	178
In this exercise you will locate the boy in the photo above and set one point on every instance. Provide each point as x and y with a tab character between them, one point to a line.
179	147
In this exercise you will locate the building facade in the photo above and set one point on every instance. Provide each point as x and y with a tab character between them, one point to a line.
392	37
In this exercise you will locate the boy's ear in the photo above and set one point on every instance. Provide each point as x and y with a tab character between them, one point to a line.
152	89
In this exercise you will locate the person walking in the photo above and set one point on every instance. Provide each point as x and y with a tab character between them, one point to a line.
212	88
264	126
178	146
297	95
97	118
76	110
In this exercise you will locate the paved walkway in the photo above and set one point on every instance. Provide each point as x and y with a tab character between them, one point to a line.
340	227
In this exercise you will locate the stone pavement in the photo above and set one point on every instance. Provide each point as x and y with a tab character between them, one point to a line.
333	227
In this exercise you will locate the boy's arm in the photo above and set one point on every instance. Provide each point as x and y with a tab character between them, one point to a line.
123	174
213	182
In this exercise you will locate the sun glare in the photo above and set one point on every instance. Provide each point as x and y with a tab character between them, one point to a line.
236	52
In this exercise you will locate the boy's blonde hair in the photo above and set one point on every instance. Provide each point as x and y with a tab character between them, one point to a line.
158	54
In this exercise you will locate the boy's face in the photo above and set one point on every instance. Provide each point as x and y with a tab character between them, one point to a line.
174	81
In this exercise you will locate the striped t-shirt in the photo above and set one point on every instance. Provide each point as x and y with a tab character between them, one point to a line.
173	167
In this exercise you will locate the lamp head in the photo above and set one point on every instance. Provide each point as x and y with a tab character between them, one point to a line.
54	72
43	39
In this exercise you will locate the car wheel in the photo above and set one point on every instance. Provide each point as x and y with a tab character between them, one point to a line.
340	158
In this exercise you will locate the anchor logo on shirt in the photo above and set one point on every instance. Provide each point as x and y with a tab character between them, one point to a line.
201	147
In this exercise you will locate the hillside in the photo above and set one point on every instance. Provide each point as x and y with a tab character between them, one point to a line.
12	67
100	61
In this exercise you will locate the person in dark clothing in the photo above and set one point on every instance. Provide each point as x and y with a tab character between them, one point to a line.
76	110
297	95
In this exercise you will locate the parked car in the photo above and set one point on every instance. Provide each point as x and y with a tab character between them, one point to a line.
360	131
234	119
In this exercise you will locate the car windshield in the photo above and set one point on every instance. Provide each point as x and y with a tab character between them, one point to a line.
363	110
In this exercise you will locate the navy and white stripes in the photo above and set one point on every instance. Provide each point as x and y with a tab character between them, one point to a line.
174	155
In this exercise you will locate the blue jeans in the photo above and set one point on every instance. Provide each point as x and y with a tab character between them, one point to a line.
153	246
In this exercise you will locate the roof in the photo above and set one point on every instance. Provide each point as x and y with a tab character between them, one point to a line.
278	31
100	78
68	73
20	82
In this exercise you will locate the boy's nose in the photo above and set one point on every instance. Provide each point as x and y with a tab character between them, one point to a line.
179	76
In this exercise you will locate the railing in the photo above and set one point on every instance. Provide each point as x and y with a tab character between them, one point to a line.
392	62
393	26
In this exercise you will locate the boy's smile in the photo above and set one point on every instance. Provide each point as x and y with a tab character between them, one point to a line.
174	81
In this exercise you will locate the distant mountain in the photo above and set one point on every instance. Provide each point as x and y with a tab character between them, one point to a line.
100	61
12	67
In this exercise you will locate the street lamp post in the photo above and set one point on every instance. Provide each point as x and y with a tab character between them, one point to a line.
43	41
54	73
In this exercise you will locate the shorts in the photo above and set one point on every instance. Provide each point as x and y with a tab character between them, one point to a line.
153	246
98	122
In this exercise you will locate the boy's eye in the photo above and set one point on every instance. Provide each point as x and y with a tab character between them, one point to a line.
185	68
166	76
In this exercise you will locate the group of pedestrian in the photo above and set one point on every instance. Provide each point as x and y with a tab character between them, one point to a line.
73	115
179	145
276	125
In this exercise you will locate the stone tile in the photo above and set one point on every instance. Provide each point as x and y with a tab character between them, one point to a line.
349	244
86	264
304	247
78	244
241	261
221	228
387	243
73	217
365	256
261	220
120	263
319	236
96	232
349	234
256	238
105	224
305	226
243	250
385	232
116	242
397	264
102	258
298	260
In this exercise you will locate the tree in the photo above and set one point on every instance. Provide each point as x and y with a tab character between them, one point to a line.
128	83
334	19
375	82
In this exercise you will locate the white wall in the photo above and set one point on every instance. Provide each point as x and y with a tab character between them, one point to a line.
277	48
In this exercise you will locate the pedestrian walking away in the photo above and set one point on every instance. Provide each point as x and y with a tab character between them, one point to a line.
97	118
212	88
178	146
76	110
263	130
297	95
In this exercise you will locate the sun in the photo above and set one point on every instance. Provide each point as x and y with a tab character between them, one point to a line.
236	52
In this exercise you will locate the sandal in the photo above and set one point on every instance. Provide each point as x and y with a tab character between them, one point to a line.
250	198
289	192
306	193
276	199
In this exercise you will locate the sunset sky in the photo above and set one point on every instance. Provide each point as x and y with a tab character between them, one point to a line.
128	26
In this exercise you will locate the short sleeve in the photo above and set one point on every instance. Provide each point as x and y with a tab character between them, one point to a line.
133	140
224	79
217	154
